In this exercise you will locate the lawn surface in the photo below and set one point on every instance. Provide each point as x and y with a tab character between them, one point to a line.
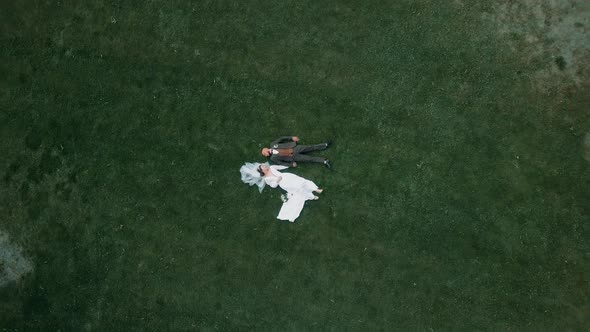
459	198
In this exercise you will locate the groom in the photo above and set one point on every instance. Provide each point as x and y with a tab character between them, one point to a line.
285	151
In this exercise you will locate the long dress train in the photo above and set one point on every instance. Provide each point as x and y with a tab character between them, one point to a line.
298	191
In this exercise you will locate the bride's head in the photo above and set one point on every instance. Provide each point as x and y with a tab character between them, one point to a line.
262	169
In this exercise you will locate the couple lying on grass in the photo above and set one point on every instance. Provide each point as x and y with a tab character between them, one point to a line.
286	152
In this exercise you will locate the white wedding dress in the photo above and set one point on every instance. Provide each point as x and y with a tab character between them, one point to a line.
298	191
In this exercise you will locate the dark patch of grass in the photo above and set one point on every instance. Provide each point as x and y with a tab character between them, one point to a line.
560	62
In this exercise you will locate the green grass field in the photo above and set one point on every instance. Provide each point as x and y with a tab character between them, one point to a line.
459	198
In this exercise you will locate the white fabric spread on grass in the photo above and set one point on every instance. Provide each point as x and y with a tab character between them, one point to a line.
251	176
298	191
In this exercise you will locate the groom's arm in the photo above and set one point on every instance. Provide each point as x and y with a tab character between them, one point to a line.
277	159
284	138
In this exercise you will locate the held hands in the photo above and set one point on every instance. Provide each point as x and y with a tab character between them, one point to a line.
295	139
294	164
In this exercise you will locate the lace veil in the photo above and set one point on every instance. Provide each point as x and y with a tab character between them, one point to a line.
250	175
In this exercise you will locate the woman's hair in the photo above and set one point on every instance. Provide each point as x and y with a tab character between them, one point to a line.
259	169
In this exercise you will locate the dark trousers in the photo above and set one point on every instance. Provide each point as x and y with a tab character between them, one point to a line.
299	153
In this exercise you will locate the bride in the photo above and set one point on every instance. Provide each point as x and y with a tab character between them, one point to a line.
298	189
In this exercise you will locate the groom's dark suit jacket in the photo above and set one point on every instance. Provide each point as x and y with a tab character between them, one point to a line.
285	146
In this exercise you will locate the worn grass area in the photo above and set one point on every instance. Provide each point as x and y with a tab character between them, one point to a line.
458	200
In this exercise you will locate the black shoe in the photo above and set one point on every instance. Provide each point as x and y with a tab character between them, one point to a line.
329	143
327	163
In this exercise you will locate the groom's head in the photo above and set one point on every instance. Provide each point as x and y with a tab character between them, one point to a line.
266	152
